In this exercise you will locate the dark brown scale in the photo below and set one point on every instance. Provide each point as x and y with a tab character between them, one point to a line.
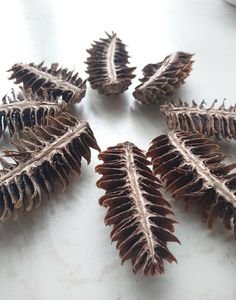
135	208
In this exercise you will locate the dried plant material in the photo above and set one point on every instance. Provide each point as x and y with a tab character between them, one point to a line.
161	79
217	122
107	66
136	208
43	161
191	168
54	81
26	110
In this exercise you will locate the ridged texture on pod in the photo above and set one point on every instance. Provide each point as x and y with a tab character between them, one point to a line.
191	168
161	79
26	110
44	160
217	122
107	66
54	81
136	208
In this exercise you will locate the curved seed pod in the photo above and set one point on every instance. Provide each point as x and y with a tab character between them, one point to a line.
26	110
54	81
44	159
191	168
218	122
161	79
136	208
107	66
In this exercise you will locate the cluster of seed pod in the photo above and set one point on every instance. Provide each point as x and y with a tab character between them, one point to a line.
188	162
109	73
50	144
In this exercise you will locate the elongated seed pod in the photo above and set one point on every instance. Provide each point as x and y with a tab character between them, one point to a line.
136	208
161	79
216	122
191	168
45	159
107	66
54	81
23	110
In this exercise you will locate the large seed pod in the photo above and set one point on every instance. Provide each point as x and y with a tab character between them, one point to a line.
54	81
161	79
44	160
191	168
136	208
26	110
107	66
217	122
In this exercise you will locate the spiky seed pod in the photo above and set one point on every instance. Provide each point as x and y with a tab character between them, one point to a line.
136	208
54	81
217	122
191	168
43	161
26	110
161	79
107	66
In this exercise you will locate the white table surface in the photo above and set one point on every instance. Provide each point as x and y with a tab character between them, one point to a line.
62	249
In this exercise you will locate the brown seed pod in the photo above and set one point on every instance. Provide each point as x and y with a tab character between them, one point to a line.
43	161
191	168
161	79
107	66
217	122
136	208
54	81
26	110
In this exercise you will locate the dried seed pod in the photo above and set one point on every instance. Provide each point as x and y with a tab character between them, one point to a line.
26	110
161	79
54	81
136	208
217	122
191	168
43	161
107	66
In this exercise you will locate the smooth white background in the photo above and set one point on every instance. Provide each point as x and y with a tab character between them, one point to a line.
62	249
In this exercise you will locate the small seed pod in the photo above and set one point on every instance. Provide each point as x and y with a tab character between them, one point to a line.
107	66
161	79
53	81
136	208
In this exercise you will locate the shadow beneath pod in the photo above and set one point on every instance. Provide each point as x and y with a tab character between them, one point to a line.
78	110
151	112
21	233
107	107
192	216
227	146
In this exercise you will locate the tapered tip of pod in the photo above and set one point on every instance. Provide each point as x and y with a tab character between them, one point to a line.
114	88
145	96
113	34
